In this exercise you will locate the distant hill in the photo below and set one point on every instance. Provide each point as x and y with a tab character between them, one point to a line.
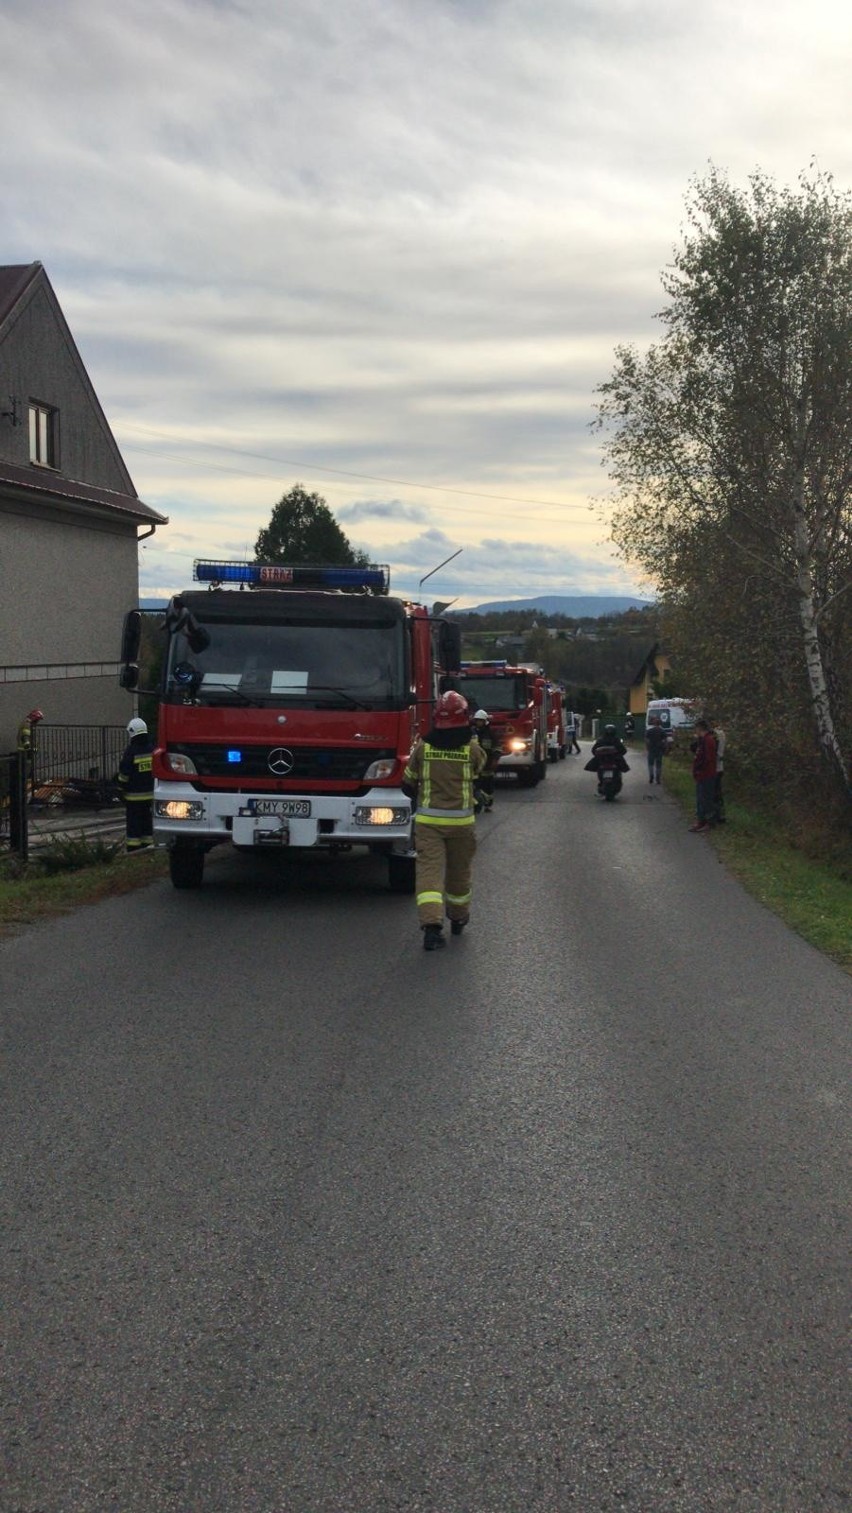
587	607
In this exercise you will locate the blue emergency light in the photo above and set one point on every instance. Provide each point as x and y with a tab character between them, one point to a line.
277	575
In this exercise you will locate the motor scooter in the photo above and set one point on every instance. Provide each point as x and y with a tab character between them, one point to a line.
609	763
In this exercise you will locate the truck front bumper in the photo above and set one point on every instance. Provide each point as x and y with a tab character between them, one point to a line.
183	814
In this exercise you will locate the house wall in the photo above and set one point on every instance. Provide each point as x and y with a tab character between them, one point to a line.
66	582
38	361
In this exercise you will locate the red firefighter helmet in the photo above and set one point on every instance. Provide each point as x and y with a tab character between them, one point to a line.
34	716
451	711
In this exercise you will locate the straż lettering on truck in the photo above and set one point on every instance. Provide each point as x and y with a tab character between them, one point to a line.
290	697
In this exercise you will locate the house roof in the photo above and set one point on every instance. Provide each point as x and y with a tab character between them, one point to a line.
53	486
16	281
649	662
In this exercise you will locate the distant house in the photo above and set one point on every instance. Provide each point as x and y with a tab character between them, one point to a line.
70	520
654	667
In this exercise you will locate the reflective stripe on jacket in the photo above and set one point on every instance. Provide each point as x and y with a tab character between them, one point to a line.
444	778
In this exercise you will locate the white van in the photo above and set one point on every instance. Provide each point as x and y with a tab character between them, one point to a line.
673	714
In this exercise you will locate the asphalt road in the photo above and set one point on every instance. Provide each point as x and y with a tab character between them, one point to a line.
299	1219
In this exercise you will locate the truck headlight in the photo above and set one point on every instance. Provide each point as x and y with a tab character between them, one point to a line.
179	809
183	766
369	814
380	769
519	745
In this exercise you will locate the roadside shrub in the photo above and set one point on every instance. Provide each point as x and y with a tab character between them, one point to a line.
70	853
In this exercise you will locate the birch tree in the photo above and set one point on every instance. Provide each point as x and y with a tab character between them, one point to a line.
730	440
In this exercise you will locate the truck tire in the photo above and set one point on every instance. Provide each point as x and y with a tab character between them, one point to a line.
528	777
553	753
186	865
401	874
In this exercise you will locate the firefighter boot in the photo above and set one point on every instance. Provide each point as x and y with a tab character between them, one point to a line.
433	938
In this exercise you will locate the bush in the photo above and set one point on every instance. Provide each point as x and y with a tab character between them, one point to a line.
70	853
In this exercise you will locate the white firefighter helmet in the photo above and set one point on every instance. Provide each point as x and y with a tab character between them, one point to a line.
136	727
481	714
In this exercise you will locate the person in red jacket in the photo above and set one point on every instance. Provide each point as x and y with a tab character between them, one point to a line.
704	772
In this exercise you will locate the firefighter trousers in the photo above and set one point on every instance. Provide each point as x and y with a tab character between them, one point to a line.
444	861
139	823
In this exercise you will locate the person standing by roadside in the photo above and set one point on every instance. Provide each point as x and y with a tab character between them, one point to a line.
571	723
656	745
136	784
721	739
704	772
27	748
441	772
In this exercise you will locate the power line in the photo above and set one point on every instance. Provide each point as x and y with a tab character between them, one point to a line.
313	467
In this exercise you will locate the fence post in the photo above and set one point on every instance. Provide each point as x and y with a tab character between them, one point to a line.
18	808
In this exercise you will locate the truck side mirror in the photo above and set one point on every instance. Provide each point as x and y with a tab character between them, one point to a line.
197	638
131	640
131	636
449	646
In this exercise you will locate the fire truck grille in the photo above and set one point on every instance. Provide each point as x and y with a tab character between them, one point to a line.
310	763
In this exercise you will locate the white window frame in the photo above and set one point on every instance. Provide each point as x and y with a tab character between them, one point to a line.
44	434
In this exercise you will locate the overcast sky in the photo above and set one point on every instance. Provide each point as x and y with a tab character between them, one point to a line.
385	248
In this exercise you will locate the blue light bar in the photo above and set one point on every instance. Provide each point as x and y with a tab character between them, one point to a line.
489	665
276	575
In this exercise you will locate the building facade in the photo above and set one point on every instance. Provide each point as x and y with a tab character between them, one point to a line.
70	521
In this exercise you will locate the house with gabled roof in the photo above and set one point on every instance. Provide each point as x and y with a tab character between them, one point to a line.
70	522
654	667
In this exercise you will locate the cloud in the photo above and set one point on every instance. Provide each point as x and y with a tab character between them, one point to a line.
382	509
386	249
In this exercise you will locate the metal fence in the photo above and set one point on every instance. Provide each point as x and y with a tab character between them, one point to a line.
75	766
13	803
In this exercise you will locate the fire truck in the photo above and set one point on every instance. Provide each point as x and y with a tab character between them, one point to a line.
518	702
556	738
289	701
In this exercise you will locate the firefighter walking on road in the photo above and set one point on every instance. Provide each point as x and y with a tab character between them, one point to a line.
441	772
136	782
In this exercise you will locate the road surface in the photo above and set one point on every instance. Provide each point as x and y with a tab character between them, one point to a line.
299	1219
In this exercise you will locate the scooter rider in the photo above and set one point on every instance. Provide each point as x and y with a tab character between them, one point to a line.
609	747
442	770
484	792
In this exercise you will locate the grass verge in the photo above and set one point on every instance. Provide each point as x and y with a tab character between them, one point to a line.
811	893
37	891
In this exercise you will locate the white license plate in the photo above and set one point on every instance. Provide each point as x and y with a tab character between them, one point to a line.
291	809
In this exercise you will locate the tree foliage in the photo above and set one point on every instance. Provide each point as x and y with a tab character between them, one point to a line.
303	530
730	442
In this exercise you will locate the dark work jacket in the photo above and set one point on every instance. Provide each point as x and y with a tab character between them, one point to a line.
136	770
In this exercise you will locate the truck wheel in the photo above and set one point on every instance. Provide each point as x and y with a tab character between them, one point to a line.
186	865
401	874
528	776
553	753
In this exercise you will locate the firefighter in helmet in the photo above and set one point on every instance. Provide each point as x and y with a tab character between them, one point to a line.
136	784
441	772
28	745
490	744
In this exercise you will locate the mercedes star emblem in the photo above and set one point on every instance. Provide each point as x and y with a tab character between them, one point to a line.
280	761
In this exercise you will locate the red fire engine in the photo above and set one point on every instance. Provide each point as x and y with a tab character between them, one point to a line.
517	700
287	712
556	738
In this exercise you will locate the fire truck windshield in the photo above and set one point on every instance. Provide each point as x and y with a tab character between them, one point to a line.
310	665
495	693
